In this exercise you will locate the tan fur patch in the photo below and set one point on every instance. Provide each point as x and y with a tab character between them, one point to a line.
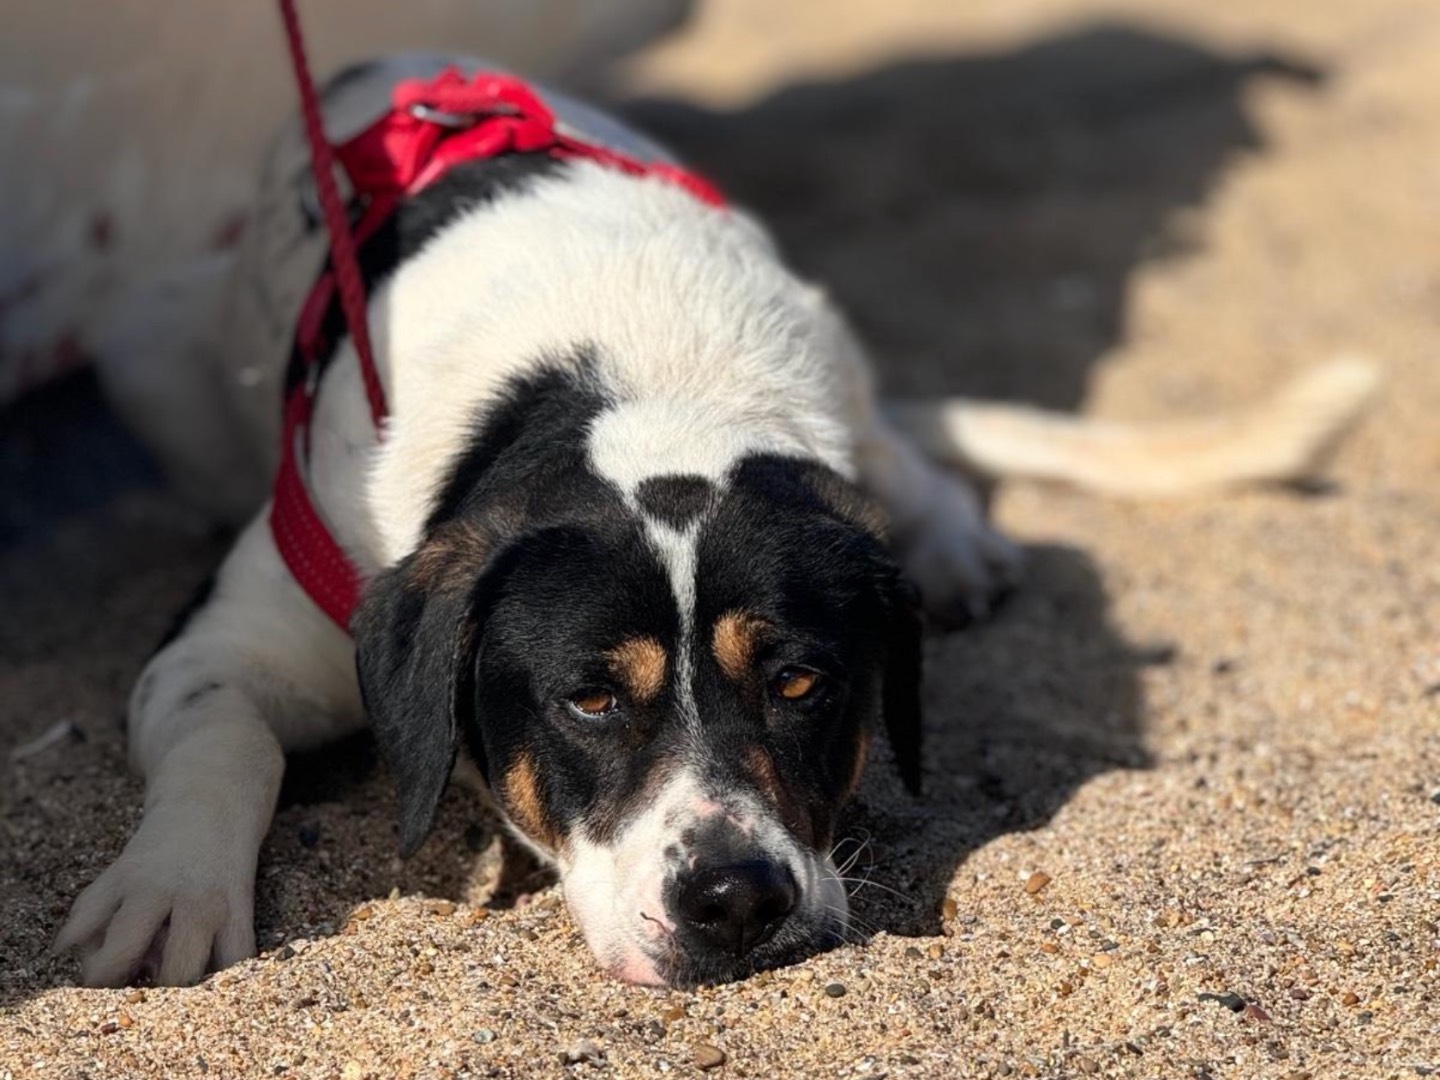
760	767
862	755
639	663
521	789
451	558
737	635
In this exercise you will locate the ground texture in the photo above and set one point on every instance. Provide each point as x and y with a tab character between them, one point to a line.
1183	807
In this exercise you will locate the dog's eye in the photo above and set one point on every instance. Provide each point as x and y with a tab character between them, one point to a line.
797	684
593	704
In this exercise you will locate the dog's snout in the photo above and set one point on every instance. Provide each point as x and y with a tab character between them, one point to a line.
732	909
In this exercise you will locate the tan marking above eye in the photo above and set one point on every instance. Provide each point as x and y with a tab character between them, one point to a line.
595	703
796	683
737	637
639	663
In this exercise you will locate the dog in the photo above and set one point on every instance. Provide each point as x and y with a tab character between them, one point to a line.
642	550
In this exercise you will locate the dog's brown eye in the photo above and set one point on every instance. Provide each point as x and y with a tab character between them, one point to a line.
594	703
796	684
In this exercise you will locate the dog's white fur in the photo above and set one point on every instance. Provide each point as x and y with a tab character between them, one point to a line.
722	352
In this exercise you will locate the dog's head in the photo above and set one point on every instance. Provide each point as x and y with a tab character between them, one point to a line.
670	689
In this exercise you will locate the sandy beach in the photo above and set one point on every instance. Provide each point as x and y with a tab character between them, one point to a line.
1182	808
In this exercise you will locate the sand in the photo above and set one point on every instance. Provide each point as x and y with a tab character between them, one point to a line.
1182	814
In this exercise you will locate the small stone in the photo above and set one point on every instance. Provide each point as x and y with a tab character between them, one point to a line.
1065	989
1088	1066
351	1070
1299	993
363	912
935	951
1037	881
586	1050
285	953
484	1035
913	953
1049	947
442	907
479	915
1256	1013
125	1020
134	997
309	835
1234	1002
949	909
706	1056
1102	960
1350	998
675	1012
835	989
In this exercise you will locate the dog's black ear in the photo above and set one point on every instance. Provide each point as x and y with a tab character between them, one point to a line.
901	689
415	633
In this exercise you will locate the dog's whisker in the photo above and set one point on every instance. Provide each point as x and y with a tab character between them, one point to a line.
860	883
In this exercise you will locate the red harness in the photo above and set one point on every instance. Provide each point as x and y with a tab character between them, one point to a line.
431	127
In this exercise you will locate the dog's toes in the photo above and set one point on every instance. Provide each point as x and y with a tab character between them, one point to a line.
1004	558
127	939
138	919
236	939
963	578
88	915
194	922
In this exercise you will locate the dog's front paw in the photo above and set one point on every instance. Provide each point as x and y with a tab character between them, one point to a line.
173	903
961	564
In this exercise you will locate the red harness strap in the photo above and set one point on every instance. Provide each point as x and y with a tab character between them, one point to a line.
431	126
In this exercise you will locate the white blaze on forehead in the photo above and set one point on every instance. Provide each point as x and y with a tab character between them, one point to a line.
662	437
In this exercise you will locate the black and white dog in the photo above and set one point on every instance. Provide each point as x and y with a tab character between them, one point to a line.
639	545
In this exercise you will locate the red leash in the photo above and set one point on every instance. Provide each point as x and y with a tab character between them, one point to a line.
432	126
342	244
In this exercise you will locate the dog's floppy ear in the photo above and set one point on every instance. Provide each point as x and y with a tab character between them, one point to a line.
905	626
901	688
416	632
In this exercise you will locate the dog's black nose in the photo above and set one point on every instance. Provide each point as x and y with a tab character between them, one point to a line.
734	908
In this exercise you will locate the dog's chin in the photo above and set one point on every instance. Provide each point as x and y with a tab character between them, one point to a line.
672	967
638	969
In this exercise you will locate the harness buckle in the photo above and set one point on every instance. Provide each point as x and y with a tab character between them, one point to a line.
458	121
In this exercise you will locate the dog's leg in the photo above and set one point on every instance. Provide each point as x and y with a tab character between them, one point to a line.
938	527
257	670
937	523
